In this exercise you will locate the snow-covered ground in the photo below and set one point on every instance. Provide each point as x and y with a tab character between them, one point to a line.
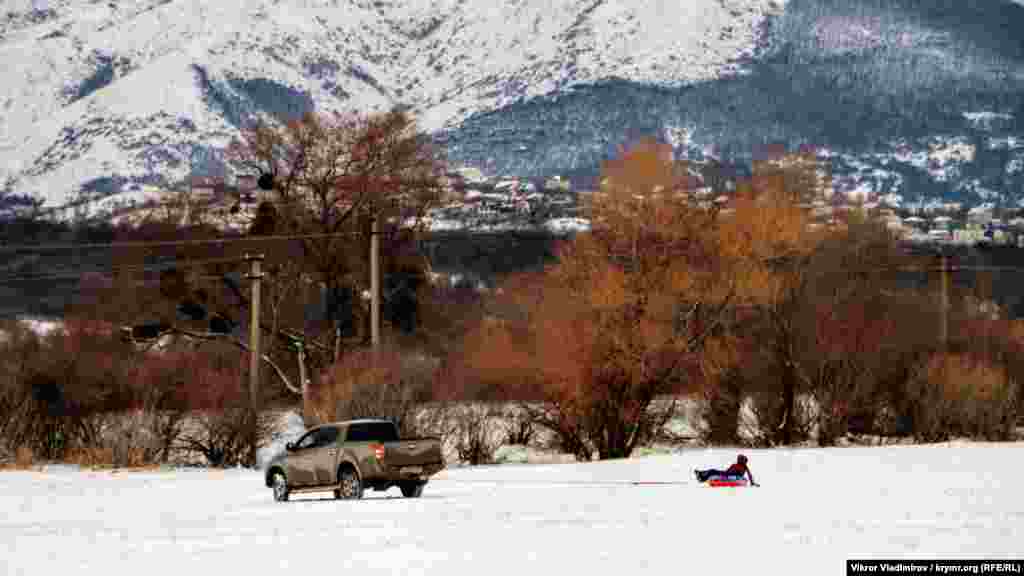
815	509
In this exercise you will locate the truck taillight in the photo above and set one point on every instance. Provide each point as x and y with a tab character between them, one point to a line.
378	451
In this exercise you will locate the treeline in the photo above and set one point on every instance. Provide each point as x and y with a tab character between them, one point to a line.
787	330
783	329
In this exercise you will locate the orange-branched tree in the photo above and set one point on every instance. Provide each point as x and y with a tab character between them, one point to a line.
599	343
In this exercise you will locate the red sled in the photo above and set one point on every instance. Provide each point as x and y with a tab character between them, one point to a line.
726	482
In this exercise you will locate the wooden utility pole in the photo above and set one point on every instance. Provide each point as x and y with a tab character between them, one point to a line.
944	313
303	382
375	283
254	354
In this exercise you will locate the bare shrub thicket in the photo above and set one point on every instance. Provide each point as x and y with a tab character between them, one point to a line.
961	396
81	395
375	384
58	388
473	432
760	423
222	437
219	427
519	427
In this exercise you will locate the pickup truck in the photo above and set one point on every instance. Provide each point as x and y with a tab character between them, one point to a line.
348	457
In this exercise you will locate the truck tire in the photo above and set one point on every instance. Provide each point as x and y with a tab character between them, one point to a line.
280	486
350	486
412	489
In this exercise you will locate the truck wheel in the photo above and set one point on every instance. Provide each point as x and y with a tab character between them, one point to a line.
411	489
280	486
349	485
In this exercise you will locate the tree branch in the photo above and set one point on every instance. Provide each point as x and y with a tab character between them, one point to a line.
215	336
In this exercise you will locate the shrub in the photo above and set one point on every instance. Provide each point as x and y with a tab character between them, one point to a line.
222	437
567	433
476	439
765	417
23	457
469	432
130	439
518	427
962	396
20	459
57	387
383	384
221	425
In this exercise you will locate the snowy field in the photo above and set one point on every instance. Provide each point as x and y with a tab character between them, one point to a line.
815	509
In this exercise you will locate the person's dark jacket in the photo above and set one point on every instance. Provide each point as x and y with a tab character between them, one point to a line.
738	469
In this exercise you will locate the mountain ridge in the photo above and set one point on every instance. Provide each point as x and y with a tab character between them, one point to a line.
93	74
905	98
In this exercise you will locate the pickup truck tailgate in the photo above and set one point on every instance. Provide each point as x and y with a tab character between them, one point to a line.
415	452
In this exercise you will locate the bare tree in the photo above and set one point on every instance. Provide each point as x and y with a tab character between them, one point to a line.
335	175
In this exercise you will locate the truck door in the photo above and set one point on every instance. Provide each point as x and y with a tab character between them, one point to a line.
325	455
299	464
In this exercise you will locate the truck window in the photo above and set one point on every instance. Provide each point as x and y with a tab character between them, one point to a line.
327	436
372	432
308	440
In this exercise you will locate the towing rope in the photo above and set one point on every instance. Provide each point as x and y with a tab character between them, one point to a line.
570	482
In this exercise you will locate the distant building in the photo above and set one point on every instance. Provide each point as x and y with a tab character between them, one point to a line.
556	183
968	236
205	186
471	174
246	183
507	185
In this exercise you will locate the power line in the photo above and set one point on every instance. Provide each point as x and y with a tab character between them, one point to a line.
954	268
235	260
594	483
116	269
169	243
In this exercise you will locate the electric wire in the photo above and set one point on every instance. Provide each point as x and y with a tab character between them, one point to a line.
159	267
30	248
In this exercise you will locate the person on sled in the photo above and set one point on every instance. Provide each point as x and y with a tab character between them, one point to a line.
740	468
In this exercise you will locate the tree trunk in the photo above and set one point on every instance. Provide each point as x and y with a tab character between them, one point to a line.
788	402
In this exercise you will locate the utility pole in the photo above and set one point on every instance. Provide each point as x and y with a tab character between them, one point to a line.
254	354
375	283
944	313
301	346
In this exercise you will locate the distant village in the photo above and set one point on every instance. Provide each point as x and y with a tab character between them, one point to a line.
469	200
472	199
952	223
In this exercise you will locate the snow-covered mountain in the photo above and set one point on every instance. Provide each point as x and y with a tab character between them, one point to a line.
96	93
908	98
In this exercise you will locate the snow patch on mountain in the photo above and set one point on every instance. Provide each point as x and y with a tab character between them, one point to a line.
1005	143
985	120
941	159
863	178
973	188
1015	165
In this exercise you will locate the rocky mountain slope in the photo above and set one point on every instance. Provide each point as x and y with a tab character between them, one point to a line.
99	95
912	98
